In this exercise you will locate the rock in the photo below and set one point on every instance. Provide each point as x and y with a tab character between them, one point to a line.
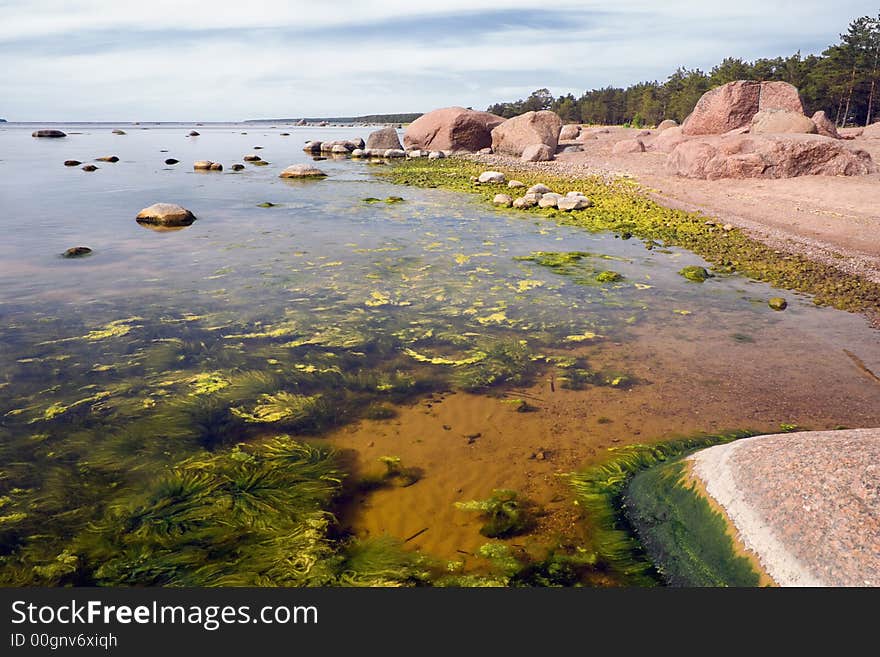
165	214
780	96
193	133
515	184
779	121
523	203
569	132
237	167
665	124
171	160
258	148
727	228
253	157
569	203
394	153
537	153
485	151
90	168
385	138
48	133
302	171
502	199
416	154
767	156
778	303
202	165
733	105
573	148
608	276
340	149
285	134
117	131
491	177
695	273
436	155
107	158
550	200
358	152
573	194
216	166
538	189
825	126
871	132
451	128
312	147
628	146
301	122
72	163
260	163
515	135
667	140
77	252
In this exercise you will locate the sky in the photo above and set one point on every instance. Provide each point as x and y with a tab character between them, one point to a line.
230	60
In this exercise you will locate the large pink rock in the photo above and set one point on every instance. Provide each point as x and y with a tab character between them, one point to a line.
733	105
628	146
825	126
514	135
766	156
872	131
451	129
569	132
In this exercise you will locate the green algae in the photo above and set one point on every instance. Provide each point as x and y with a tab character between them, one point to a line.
620	207
504	514
609	276
695	273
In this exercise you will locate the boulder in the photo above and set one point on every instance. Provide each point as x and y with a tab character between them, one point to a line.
780	121
216	166
524	202
385	138
77	252
514	184
667	140
485	151
766	156
193	133
549	200
491	177
540	188
665	124
72	163
436	155
302	171
90	168
358	152
117	131
48	133
872	131
237	167
537	153
107	158
394	153
312	147
502	199
165	214
733	105
171	160
532	128
202	165
569	132
340	149
825	126
416	154
451	128
628	146
570	203
253	157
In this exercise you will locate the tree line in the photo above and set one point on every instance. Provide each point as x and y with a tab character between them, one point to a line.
842	81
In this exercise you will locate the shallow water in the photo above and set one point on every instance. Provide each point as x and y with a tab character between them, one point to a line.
345	304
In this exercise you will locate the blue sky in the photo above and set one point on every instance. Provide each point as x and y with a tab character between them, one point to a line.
239	59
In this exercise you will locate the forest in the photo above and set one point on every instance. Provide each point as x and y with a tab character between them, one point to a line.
842	81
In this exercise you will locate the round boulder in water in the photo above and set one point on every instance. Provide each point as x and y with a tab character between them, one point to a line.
107	158
48	133
72	163
302	171
171	160
193	133
165	214
202	165
77	252
90	168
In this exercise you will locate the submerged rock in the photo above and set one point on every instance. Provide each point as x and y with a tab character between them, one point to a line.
90	168
165	214
302	171
253	157
695	273
171	160
117	131
72	163
609	277
237	167
107	158
77	252
778	303
193	133
48	133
